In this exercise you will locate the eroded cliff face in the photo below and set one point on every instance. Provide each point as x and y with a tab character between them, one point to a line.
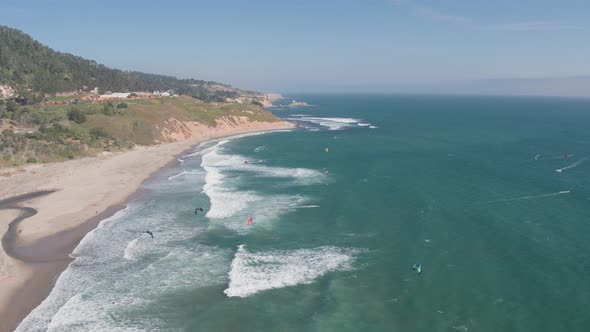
176	130
6	91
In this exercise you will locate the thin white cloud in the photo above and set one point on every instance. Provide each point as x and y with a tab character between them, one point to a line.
534	25
431	13
9	11
440	16
400	2
437	15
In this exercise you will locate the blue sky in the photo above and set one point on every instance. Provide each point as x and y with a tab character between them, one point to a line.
318	45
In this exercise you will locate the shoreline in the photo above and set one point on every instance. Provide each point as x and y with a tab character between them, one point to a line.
83	193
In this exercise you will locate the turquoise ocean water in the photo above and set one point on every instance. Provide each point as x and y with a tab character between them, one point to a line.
476	189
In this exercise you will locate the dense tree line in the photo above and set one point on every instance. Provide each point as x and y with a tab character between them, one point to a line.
36	70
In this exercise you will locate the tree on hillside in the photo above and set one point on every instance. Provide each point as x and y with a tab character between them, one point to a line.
76	115
11	106
35	70
97	133
107	109
122	105
25	116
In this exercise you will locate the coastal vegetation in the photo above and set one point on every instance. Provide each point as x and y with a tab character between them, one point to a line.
56	106
48	133
35	72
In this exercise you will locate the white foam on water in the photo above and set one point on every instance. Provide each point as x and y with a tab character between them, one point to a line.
339	120
96	305
87	296
196	153
299	175
118	269
260	148
563	192
75	316
221	141
308	206
104	269
134	247
272	207
373	127
363	124
195	172
571	166
330	123
253	272
193	267
69	284
226	200
86	253
265	211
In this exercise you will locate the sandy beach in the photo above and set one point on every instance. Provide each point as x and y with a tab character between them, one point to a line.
74	196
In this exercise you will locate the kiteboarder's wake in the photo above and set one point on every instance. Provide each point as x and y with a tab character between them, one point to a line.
571	166
530	197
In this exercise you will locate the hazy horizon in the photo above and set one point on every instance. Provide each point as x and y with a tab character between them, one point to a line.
399	46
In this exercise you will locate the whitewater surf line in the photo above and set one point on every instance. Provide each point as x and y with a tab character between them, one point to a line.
332	123
563	192
253	272
183	173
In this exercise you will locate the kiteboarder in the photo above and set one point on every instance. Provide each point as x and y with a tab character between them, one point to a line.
245	162
417	267
565	156
249	221
147	231
198	209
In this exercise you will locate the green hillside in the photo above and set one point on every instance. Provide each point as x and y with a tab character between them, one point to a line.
35	71
36	126
49	133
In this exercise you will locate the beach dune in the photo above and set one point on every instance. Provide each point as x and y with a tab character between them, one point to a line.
83	192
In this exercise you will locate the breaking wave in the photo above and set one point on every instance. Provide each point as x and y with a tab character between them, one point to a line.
222	180
332	123
253	272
